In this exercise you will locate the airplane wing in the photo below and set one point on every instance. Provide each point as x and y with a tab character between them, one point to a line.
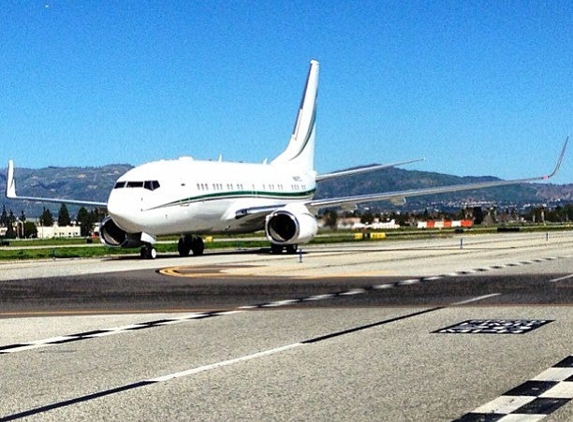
374	167
11	193
400	196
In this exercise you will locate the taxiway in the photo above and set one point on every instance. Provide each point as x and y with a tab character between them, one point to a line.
435	330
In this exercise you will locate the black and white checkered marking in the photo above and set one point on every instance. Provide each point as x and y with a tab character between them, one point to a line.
494	326
12	348
531	401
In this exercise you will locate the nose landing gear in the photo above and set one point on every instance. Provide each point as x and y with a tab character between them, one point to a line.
148	252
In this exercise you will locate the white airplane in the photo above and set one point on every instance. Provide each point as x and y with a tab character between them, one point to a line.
192	198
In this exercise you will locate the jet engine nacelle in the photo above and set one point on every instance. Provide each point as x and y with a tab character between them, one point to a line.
290	225
111	235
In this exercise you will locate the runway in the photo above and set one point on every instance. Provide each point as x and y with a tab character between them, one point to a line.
461	328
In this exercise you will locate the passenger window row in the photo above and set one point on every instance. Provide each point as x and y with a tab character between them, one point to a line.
239	186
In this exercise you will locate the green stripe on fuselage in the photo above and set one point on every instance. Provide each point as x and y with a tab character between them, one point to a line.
239	194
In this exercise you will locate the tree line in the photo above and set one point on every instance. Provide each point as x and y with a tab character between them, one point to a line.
536	214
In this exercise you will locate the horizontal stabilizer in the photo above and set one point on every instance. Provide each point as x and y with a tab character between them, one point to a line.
367	169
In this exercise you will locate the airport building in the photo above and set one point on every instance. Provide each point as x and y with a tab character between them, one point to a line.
51	232
56	231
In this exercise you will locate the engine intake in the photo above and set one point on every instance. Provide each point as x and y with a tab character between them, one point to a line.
291	225
112	235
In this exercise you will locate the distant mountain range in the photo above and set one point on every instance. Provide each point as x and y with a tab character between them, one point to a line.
396	179
94	183
88	183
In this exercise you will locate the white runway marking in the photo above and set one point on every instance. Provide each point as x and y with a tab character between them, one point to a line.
567	277
228	362
475	299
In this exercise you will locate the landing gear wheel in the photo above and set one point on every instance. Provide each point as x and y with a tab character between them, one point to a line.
184	245
197	246
276	249
148	252
291	249
190	243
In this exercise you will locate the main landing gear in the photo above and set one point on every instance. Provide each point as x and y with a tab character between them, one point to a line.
190	243
290	249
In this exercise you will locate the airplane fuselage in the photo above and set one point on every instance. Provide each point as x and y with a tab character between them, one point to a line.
200	197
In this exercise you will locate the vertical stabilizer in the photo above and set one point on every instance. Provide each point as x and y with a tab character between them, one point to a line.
300	149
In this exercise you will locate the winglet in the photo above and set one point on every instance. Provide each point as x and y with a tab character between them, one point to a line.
559	161
11	193
10	182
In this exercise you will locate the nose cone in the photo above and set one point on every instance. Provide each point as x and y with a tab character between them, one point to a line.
124	210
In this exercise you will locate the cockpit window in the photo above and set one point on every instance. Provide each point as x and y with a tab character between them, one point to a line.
148	184
134	184
151	184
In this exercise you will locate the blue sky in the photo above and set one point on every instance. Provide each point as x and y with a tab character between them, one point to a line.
477	88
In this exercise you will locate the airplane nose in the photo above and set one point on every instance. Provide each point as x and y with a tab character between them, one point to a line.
124	212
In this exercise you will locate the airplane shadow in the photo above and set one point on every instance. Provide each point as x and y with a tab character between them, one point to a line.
166	256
